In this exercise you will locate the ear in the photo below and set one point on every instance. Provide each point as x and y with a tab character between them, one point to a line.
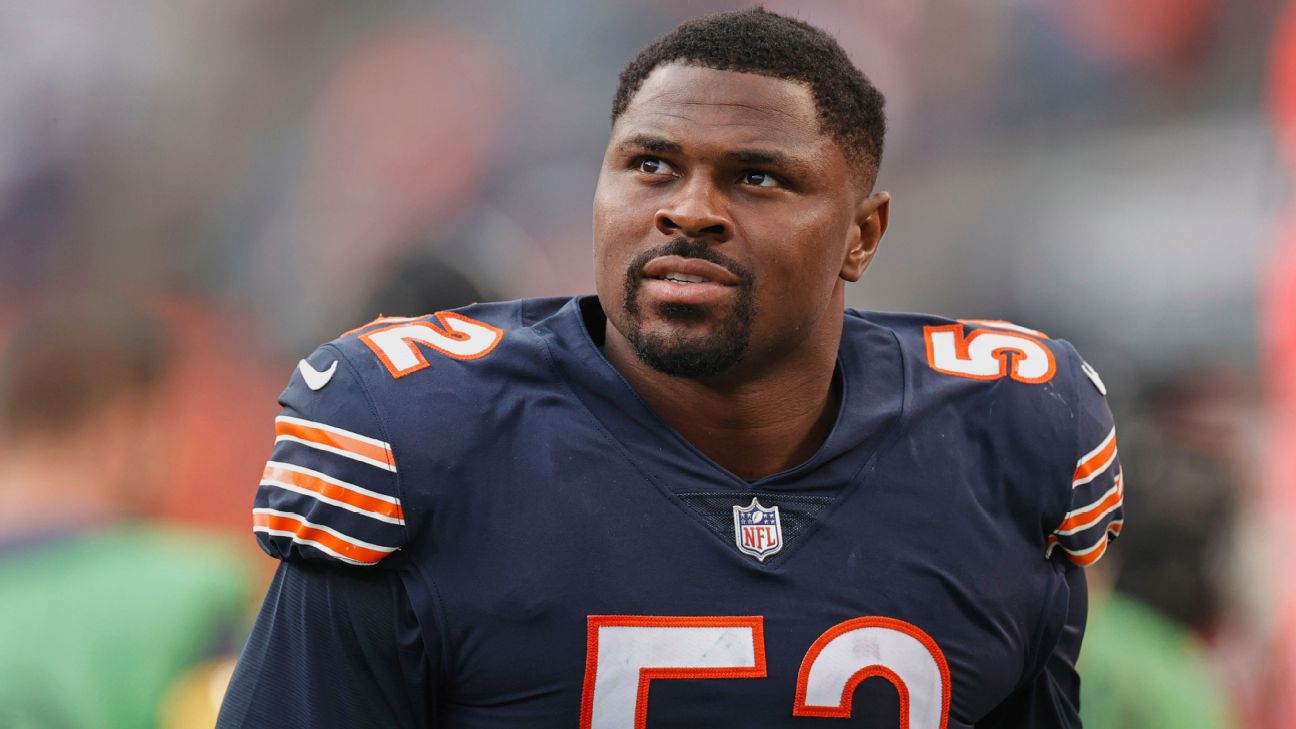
870	223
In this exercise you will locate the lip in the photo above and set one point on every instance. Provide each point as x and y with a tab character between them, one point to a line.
658	267
660	291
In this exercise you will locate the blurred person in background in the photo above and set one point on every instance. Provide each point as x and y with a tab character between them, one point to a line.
100	610
1157	610
420	280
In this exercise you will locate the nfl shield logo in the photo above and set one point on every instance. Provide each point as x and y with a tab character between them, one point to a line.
757	530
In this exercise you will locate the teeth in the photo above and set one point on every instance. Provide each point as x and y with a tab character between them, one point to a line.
684	278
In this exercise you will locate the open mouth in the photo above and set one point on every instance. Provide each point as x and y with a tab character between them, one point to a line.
684	278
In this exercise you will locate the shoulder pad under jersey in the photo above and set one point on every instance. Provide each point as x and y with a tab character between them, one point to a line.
1051	420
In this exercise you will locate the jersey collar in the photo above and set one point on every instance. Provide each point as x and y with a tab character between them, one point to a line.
869	365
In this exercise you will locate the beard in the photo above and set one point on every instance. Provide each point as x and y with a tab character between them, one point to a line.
674	352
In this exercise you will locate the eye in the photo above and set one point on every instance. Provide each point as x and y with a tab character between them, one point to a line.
756	178
654	166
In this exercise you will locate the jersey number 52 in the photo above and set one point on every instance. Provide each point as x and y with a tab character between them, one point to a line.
453	335
990	352
625	653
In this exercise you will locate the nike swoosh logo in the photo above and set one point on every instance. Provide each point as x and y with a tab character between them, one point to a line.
313	378
1093	377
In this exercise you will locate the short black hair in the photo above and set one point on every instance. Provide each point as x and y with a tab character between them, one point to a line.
760	42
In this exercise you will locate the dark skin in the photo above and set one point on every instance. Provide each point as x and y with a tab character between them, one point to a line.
738	161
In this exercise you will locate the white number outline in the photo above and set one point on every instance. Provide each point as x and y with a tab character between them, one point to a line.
647	673
458	337
856	629
846	635
949	351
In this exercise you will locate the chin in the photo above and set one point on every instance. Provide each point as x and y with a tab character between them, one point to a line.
675	350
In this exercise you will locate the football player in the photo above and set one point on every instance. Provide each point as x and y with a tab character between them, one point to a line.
708	496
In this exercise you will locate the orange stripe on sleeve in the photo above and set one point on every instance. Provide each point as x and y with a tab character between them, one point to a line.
1096	461
334	490
1093	513
335	440
1086	557
280	523
1084	560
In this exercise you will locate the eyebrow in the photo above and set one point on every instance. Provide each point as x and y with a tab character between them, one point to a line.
649	143
766	158
755	157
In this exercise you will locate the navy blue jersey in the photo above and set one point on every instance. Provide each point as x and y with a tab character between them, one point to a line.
483	525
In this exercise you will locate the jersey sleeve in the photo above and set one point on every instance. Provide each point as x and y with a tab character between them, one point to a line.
333	648
1050	697
329	491
1096	510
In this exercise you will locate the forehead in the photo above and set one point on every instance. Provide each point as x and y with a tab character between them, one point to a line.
700	106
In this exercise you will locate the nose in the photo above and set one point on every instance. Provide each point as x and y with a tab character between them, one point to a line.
698	211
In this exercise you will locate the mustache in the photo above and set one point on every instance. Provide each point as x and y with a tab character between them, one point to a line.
686	248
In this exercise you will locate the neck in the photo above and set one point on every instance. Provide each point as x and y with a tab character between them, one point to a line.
756	422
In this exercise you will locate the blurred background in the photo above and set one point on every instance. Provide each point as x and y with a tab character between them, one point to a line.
194	193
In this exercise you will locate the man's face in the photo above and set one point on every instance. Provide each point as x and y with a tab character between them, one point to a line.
724	222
